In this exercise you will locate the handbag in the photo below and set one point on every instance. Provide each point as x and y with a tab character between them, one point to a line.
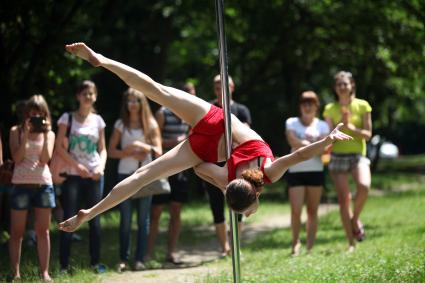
58	166
157	187
6	173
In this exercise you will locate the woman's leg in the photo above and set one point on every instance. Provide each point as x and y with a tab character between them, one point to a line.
93	196
362	178
216	200
296	198
18	220
125	225
188	107
176	160
125	230
69	201
156	211
344	198
143	213
174	227
313	194
42	222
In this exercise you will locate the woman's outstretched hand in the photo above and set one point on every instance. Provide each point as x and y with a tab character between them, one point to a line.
72	224
337	135
81	50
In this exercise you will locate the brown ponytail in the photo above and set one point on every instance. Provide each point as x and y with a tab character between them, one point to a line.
255	177
243	192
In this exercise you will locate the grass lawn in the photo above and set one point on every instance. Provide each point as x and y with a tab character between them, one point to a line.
393	252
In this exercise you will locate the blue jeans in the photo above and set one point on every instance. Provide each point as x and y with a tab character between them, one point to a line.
143	206
73	189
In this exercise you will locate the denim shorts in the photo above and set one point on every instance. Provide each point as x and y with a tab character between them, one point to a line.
23	198
344	163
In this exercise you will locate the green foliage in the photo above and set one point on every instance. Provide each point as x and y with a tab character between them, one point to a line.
276	49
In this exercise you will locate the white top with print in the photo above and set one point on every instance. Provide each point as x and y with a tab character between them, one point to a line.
83	140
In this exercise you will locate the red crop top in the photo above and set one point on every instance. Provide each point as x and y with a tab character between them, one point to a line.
247	151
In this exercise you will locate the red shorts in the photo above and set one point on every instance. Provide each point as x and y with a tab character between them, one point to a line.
205	135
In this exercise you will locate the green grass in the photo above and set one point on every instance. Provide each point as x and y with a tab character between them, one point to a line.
394	250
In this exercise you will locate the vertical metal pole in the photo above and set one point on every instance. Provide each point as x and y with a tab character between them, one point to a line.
219	8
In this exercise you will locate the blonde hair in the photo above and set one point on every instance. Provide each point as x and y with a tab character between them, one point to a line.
148	122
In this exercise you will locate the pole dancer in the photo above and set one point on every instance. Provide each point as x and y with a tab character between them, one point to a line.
240	180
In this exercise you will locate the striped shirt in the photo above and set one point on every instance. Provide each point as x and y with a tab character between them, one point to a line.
173	125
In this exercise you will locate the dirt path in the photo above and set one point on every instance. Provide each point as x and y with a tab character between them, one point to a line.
194	256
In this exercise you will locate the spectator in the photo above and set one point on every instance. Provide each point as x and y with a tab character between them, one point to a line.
31	145
173	131
135	137
349	158
86	157
306	179
216	197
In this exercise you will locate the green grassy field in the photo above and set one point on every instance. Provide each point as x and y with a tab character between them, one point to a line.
393	252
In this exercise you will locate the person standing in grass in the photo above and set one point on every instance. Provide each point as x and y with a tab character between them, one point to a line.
216	197
31	145
305	179
349	158
135	138
173	132
86	158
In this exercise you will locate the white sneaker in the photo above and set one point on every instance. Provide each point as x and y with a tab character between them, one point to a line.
121	267
138	266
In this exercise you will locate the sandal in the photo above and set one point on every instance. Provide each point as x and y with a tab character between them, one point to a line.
360	234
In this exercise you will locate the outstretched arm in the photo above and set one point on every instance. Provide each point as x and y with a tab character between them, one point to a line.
278	167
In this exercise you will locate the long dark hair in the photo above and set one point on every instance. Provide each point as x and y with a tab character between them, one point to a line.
85	85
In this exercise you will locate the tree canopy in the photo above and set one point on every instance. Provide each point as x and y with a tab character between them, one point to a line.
276	49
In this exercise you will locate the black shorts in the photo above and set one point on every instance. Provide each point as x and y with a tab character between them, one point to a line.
305	179
179	190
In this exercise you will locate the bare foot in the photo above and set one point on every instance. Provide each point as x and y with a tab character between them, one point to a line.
72	224
351	249
296	250
84	52
46	278
225	253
